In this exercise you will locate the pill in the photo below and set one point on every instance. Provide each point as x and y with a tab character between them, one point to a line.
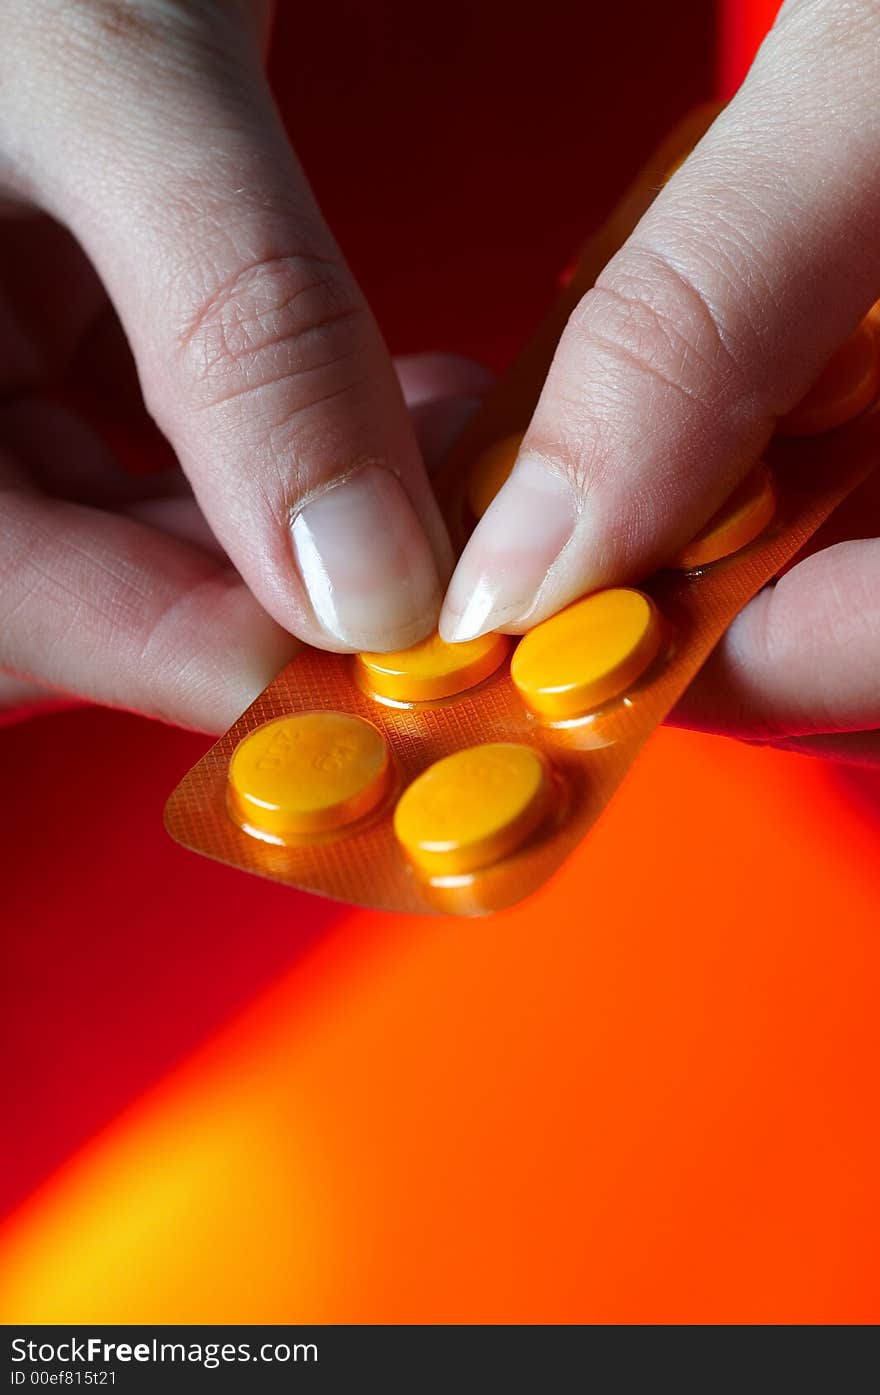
490	471
849	383
432	669
738	522
587	654
474	807
306	774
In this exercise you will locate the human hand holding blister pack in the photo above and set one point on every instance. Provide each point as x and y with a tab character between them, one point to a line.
456	775
750	269
163	263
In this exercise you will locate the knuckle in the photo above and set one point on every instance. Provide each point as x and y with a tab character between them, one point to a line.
846	28
291	319
644	336
575	449
652	318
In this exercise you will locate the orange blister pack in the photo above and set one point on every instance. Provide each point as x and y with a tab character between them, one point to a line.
456	779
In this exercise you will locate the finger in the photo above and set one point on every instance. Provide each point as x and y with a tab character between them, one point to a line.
442	392
847	748
20	700
105	608
438	425
72	459
802	659
156	141
77	446
83	460
159	500
427	377
179	518
752	265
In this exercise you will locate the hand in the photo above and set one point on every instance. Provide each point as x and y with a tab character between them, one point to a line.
754	263
142	159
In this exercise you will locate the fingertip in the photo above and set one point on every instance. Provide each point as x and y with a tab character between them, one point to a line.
365	563
801	658
513	565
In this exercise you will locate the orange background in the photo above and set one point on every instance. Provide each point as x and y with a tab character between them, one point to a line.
649	1094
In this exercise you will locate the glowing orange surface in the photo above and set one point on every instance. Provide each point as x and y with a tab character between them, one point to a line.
644	1095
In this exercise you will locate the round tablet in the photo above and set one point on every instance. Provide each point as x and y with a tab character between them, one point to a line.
490	471
432	669
587	654
473	808
848	384
747	512
309	773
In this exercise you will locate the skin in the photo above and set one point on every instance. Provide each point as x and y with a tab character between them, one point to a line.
296	499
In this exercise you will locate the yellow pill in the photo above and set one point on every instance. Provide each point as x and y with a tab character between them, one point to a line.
746	514
474	807
490	471
305	774
590	652
432	669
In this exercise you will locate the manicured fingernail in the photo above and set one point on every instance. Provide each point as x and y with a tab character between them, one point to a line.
507	560
366	564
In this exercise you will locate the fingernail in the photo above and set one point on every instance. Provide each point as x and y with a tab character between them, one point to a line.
366	564
510	554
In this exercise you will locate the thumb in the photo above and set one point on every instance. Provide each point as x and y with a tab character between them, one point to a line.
753	264
149	130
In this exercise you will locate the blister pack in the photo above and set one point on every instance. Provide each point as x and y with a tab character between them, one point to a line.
457	778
